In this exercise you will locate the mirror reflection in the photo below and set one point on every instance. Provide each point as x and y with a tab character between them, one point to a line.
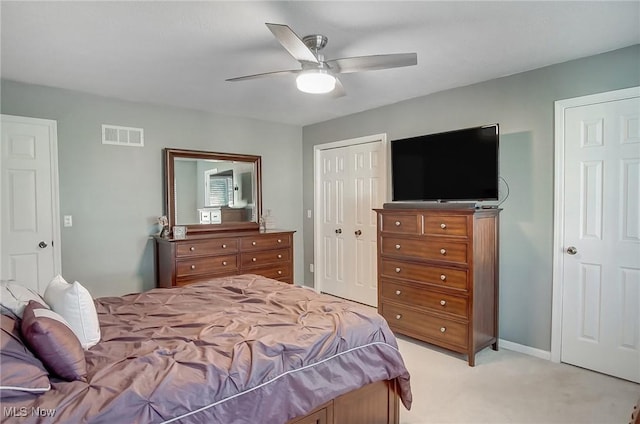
208	191
213	191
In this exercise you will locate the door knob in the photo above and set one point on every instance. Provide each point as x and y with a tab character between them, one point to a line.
358	233
339	231
42	245
572	250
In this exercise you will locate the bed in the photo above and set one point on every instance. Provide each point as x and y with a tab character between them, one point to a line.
240	349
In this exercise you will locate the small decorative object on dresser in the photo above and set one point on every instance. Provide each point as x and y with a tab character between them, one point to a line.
164	226
438	276
179	232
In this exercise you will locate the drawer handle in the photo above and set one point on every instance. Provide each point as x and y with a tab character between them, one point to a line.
443	329
397	247
253	259
397	223
224	263
398	292
192	248
193	267
443	225
399	316
443	302
398	270
224	246
443	277
279	272
253	243
279	240
279	256
443	251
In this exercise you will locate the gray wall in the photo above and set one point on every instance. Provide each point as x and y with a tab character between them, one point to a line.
115	193
523	106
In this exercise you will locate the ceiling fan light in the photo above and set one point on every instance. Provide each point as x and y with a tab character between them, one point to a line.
317	81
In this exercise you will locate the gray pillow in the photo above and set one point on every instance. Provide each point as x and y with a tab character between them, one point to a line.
14	297
54	343
21	373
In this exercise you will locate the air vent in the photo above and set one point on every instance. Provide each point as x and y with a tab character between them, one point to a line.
122	136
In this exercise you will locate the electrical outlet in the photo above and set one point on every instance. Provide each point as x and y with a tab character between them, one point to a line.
68	221
310	267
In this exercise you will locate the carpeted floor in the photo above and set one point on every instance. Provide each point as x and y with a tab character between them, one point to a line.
509	387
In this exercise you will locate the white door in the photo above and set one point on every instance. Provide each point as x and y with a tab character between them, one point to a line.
29	213
601	244
350	183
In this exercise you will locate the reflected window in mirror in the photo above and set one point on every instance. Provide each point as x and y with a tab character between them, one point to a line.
218	189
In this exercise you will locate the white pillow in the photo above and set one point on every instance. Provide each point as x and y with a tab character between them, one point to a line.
14	297
75	304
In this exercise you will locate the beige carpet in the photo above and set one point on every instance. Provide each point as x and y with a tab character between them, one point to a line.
509	387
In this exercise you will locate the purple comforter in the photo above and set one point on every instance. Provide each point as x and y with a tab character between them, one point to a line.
243	349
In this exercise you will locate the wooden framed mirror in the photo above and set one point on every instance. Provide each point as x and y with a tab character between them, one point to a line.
208	191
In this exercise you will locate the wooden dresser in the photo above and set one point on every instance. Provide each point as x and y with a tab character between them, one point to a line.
204	256
438	276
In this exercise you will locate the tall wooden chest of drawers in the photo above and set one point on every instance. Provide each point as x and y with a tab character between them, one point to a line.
438	276
204	256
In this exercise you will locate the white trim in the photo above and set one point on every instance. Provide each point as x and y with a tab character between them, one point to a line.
55	199
317	189
527	350
27	389
55	184
558	223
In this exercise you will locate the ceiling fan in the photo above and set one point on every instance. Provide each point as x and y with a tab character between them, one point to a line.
318	75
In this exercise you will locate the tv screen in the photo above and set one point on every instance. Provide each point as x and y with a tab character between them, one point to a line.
459	165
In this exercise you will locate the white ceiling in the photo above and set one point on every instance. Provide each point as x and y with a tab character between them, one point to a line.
180	53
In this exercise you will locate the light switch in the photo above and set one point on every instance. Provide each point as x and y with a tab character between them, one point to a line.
68	221
308	213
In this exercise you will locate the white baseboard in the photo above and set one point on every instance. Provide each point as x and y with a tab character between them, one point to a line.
527	350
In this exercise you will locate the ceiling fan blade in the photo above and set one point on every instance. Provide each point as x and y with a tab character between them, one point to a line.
265	74
292	43
372	63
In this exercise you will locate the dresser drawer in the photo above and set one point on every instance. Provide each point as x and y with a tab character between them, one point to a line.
263	242
424	274
218	246
260	258
446	225
401	223
209	265
418	296
277	272
445	251
430	327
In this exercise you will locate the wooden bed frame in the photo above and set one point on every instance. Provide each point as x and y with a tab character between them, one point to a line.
375	403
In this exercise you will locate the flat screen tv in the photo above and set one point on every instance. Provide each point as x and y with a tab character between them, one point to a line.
460	165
